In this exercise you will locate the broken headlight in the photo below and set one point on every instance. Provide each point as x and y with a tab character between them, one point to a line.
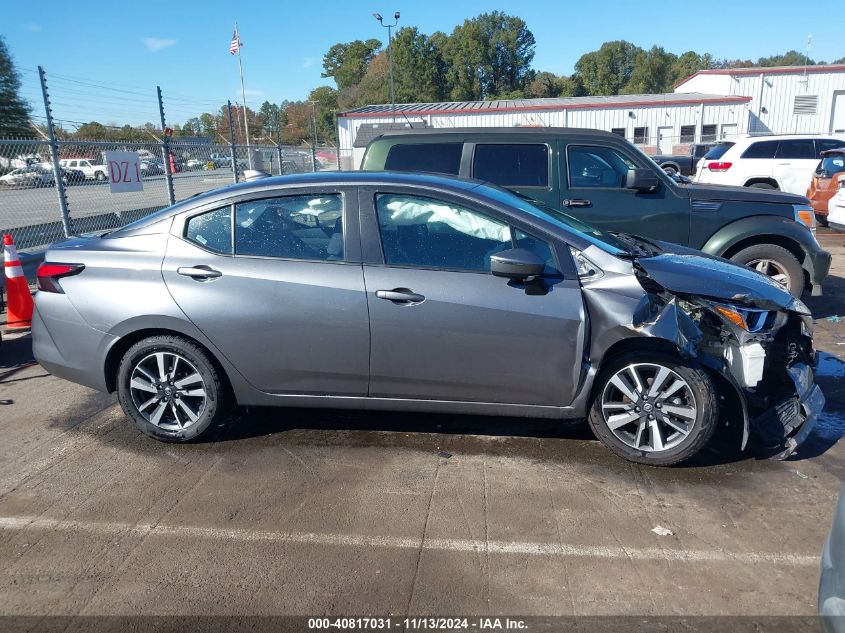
748	319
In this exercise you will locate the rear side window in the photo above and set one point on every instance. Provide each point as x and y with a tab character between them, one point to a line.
718	151
797	148
438	158
211	230
291	227
761	149
823	144
512	165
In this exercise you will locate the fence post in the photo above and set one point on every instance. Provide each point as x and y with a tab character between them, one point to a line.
54	155
165	150
279	141
232	147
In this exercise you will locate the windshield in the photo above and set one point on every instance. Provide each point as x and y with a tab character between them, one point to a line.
602	239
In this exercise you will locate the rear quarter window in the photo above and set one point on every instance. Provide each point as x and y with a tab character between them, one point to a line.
437	158
718	151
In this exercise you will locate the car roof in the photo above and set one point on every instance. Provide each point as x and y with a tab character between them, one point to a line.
496	131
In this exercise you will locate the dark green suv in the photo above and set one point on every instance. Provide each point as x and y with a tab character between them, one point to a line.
603	179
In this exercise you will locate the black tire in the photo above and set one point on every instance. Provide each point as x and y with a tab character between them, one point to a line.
215	407
100	177
670	170
786	260
701	431
821	220
762	185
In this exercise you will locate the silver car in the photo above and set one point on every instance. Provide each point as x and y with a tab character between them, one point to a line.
413	292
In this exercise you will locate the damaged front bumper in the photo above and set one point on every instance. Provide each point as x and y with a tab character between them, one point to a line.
791	421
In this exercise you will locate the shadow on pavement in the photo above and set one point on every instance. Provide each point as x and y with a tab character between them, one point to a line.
832	303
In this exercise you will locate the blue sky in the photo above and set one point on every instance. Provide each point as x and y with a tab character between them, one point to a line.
183	46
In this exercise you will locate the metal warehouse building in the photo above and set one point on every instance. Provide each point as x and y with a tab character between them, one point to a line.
710	105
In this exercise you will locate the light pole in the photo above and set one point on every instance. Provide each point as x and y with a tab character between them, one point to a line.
389	28
313	135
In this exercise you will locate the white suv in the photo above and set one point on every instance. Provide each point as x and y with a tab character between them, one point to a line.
92	170
766	162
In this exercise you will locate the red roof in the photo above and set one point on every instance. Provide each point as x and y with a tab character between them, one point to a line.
768	70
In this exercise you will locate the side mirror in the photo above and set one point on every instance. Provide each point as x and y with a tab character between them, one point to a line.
516	263
642	180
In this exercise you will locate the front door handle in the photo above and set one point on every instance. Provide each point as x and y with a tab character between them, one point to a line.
199	273
576	202
400	295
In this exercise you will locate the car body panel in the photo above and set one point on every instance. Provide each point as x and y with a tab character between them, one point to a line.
306	333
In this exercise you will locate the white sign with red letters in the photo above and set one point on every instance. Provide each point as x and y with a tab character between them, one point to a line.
124	171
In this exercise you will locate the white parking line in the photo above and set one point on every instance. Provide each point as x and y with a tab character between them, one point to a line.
448	545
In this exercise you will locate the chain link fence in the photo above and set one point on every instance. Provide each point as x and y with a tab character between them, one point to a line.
30	207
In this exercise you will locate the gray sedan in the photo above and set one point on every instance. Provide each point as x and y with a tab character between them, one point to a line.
423	293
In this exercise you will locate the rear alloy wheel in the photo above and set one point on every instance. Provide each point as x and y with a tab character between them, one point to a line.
776	262
654	409
100	176
170	389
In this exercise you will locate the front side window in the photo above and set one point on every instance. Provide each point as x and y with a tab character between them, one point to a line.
438	158
761	149
430	233
797	149
512	165
212	230
292	227
597	167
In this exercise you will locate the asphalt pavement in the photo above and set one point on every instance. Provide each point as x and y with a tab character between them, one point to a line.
301	512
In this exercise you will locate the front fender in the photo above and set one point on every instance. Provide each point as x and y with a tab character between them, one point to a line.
815	260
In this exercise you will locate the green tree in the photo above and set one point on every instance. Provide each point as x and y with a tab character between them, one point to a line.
652	72
489	55
608	70
789	58
841	60
689	63
347	63
208	124
546	84
14	111
375	85
416	67
325	98
268	115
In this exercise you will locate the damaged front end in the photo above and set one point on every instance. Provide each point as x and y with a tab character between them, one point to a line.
758	340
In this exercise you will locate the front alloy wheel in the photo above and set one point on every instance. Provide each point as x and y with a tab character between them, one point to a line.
654	408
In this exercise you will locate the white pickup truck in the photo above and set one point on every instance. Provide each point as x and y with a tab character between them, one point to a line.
91	169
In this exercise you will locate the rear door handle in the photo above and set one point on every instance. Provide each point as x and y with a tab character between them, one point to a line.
576	202
400	295
199	273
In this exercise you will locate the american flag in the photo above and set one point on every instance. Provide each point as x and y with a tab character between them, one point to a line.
236	43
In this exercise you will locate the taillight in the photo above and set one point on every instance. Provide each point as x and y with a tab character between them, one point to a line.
48	275
719	166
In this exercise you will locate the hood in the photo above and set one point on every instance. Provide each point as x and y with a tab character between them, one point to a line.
715	278
699	191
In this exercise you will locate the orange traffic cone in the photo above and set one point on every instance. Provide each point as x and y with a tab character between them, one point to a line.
18	297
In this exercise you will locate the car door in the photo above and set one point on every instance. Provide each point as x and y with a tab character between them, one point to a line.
442	326
795	160
274	280
592	189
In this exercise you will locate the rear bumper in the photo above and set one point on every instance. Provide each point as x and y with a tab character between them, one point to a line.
65	345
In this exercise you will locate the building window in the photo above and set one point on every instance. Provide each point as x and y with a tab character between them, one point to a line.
640	135
709	133
805	104
687	134
619	131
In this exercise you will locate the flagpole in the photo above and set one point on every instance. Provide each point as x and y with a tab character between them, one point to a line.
243	98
